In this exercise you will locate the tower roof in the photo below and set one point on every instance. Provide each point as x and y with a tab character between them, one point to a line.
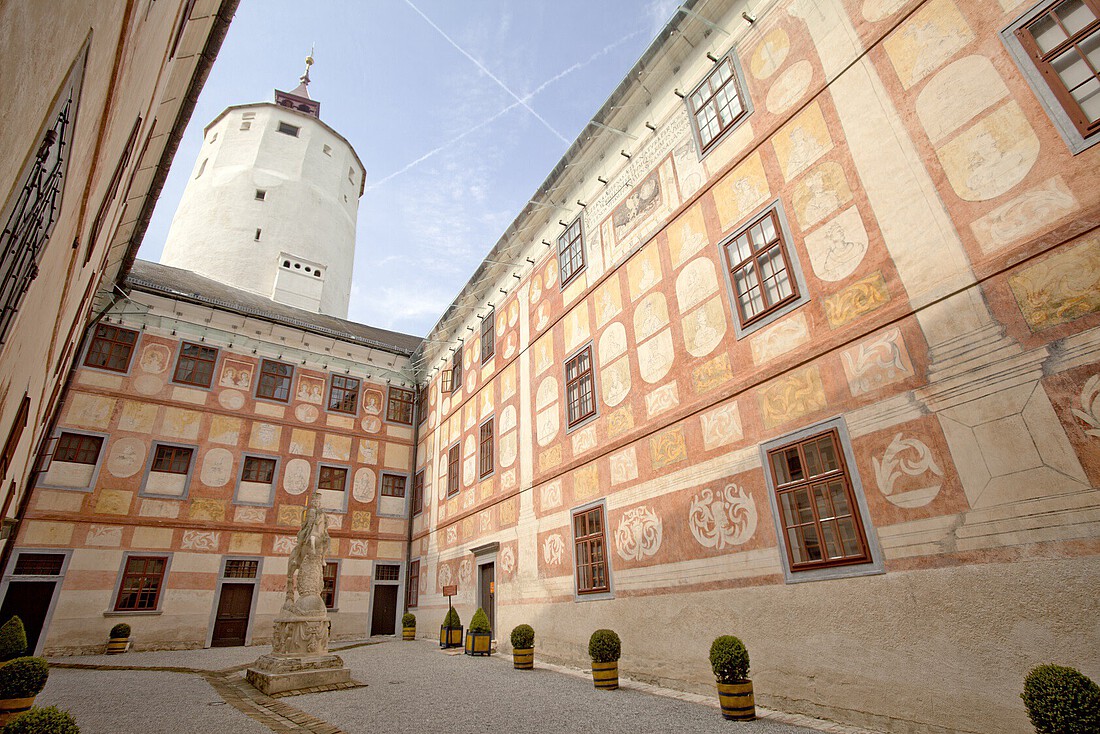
298	98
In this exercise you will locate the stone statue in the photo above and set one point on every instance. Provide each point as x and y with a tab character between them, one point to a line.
299	657
305	568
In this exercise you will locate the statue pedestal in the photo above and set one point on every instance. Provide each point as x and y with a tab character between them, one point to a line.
300	658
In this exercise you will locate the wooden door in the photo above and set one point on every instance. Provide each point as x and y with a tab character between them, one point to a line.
384	618
486	593
234	609
30	600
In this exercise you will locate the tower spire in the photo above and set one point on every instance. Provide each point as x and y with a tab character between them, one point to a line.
299	98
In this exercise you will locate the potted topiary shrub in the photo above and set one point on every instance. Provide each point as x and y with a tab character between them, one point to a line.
1061	700
119	639
47	720
13	640
408	626
523	647
604	647
479	638
450	632
730	661
20	681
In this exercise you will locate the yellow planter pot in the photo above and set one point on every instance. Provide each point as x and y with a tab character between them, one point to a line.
479	643
737	701
408	633
606	675
450	637
10	708
523	658
117	645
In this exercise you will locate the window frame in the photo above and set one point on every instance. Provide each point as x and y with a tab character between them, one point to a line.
564	280
486	458
81	437
417	498
321	470
288	127
410	403
260	375
332	388
180	357
738	79
818	571
423	405
121	580
245	456
95	337
412	585
1049	99
454	469
42	480
791	259
333	563
488	336
151	460
595	593
391	475
571	422
456	370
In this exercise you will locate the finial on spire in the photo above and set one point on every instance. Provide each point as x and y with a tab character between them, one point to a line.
299	98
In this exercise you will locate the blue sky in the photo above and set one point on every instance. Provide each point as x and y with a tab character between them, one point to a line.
458	110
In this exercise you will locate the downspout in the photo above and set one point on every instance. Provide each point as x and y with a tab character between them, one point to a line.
409	538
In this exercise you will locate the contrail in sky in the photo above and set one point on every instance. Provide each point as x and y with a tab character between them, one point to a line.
530	95
488	73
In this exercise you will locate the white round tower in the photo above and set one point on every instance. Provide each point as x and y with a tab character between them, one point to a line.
271	205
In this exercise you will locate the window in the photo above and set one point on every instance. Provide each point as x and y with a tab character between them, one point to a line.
213	138
184	17
580	389
246	125
261	195
387	572
819	516
717	105
418	493
78	448
172	459
274	381
241	568
456	370
399	406
14	434
112	189
259	231
343	394
1063	41
288	129
422	402
36	198
195	365
412	585
761	270
571	252
452	470
488	329
202	167
590	546
111	348
39	564
256	469
327	150
393	485
485	449
142	578
328	584
333	478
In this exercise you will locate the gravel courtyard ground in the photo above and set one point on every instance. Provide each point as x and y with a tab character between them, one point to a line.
410	687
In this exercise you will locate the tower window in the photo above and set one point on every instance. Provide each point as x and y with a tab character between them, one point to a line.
213	137
328	150
202	167
260	194
316	273
351	176
286	263
258	231
288	129
246	125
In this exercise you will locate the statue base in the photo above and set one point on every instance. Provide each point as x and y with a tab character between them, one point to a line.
300	658
274	673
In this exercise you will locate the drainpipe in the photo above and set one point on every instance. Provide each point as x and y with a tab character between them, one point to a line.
408	539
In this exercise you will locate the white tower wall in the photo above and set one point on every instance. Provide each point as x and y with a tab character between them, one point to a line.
311	186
